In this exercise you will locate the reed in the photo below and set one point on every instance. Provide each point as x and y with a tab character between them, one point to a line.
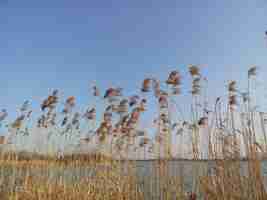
224	135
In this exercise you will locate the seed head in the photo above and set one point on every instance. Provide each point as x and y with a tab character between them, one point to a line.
232	86
194	70
252	71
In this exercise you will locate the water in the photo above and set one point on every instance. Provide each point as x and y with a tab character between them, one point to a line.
146	171
189	171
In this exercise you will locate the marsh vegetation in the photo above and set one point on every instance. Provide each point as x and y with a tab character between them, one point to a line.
102	153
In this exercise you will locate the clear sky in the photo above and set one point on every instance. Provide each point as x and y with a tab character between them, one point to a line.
67	44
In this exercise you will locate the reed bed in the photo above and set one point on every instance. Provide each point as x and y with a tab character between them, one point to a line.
96	178
224	149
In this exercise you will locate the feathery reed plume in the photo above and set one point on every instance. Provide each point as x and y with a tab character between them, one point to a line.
174	78
76	120
96	91
69	105
123	106
90	114
196	87
142	106
156	87
134	117
25	106
51	101
164	118
195	106
194	70
252	71
233	100
232	87
18	122
104	130
108	117
196	80
112	93
146	85
133	100
3	115
163	102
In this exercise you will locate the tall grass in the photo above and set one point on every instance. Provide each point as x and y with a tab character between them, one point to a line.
223	134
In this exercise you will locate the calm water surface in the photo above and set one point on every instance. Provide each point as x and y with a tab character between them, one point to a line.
146	171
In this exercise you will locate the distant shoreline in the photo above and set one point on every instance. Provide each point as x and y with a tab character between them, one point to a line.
27	156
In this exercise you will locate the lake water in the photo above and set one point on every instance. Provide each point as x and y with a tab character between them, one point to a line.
146	171
188	170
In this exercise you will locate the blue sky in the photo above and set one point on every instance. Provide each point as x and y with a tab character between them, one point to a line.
67	44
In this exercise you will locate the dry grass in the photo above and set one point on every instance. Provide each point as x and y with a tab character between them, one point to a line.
105	179
28	176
